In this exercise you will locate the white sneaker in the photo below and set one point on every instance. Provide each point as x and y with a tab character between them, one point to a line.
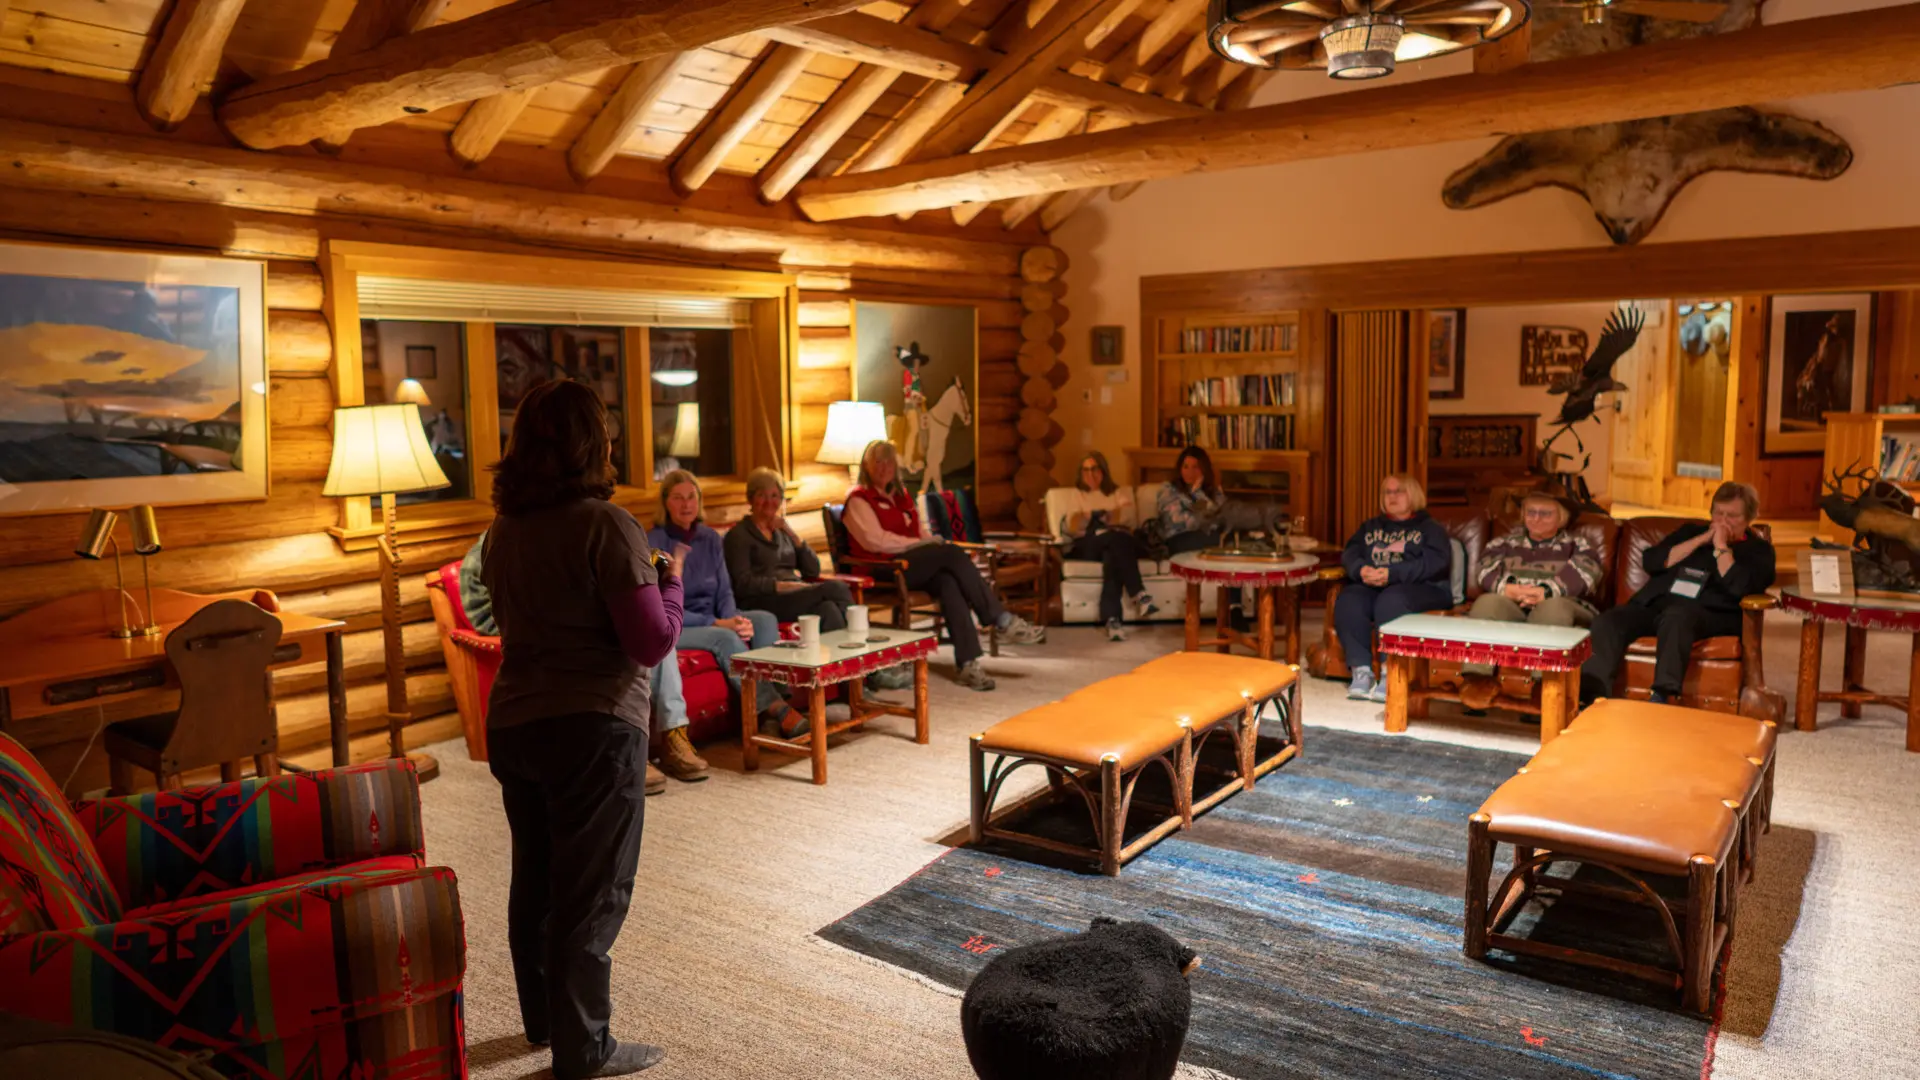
1148	609
1115	631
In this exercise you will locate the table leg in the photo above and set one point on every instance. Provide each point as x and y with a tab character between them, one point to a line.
1193	616
749	750
1555	692
817	712
1854	669
1399	682
1806	696
1913	698
855	704
1264	613
1290	616
1220	618
920	732
337	701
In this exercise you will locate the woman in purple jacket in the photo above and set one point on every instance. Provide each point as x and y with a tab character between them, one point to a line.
584	615
1397	563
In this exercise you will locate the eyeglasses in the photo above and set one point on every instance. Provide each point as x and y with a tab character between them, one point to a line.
1541	512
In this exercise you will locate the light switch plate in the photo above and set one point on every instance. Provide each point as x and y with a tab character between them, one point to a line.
1106	395
1117	375
1086	436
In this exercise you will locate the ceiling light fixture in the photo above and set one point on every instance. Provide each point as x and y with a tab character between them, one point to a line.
1354	40
676	377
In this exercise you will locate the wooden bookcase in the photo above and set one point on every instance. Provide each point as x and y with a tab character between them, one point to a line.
1854	441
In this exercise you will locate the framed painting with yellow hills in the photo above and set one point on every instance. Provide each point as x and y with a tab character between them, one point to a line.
130	377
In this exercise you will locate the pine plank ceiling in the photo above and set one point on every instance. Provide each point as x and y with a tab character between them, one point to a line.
1153	48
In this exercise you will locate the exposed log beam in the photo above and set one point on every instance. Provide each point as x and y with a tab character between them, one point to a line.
1504	53
907	129
479	131
1056	124
747	106
1169	24
45	158
1062	206
1769	63
623	114
823	129
374	21
517	47
916	51
183	64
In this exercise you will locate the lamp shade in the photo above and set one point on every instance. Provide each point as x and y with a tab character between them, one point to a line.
851	425
146	531
686	430
97	534
380	450
411	393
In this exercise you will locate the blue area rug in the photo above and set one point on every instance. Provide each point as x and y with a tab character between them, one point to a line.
1326	905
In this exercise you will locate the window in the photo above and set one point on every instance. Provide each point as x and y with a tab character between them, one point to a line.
526	356
692	408
432	357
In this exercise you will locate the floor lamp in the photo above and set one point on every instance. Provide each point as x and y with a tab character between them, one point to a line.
382	450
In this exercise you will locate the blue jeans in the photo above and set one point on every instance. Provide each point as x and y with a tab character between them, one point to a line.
669	698
724	644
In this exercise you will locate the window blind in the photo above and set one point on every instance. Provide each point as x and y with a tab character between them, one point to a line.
464	301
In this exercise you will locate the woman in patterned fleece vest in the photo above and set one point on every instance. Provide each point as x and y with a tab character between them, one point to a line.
1537	573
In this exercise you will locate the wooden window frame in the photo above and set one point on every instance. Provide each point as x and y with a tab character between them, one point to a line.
761	371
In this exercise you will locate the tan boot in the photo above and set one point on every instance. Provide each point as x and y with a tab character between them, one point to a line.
656	780
678	760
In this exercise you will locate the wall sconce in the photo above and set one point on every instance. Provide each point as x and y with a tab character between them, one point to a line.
97	537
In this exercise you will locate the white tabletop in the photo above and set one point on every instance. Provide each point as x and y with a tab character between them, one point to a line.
1203	563
1516	635
833	648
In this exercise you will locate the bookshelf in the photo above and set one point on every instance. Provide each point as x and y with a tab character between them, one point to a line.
1889	442
1226	381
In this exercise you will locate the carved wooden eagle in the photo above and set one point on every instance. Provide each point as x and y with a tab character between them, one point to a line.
1628	172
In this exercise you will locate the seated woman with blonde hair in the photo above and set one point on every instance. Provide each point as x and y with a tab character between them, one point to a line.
882	522
1397	563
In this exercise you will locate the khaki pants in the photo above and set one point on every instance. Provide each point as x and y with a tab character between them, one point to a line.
1553	611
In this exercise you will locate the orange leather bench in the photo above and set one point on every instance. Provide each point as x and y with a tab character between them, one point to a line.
1098	742
1639	791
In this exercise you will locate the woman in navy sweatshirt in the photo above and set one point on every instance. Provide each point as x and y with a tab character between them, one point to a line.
1397	563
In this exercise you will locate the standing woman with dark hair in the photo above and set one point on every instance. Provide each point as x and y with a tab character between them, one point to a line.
583	615
1099	522
1187	503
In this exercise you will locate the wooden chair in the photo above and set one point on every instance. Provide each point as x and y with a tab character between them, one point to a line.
902	605
1019	565
220	656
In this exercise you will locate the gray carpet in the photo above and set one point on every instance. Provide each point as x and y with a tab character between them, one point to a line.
718	961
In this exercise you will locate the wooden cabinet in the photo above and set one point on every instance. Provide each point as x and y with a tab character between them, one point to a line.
1468	455
1888	443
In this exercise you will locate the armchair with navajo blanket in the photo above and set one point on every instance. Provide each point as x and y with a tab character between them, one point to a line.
276	928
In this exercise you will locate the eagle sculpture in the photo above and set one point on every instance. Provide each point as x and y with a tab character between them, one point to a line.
1582	389
1629	172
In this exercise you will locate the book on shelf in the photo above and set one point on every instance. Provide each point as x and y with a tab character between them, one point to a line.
1231	339
1277	389
1231	432
1899	459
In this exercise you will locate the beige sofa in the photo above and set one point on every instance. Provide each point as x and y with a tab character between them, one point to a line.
1080	578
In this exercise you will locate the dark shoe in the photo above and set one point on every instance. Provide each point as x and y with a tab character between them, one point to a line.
656	780
629	1058
1478	691
974	677
1655	697
678	760
544	1040
898	677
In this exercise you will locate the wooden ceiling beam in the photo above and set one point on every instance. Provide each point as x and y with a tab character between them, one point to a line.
370	23
622	115
480	130
183	65
1769	63
1056	124
747	106
517	47
823	129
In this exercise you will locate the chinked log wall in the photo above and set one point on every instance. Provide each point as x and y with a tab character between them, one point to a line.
281	544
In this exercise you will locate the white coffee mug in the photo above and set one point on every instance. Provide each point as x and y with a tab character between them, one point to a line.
809	630
857	625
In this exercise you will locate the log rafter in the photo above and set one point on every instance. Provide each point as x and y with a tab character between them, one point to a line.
1766	63
184	63
643	85
748	104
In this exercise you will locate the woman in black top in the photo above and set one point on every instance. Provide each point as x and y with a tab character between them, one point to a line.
772	568
1699	574
584	615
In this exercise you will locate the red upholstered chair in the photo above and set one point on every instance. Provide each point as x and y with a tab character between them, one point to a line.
284	926
1726	674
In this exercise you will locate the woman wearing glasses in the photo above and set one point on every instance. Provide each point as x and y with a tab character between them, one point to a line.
1537	573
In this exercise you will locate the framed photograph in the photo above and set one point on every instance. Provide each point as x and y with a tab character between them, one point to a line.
1107	345
1446	352
421	363
921	362
1819	351
128	377
1549	352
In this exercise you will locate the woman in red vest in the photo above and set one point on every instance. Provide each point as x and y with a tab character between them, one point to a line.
883	523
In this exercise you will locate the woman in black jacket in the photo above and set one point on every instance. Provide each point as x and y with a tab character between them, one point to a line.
1397	563
1699	574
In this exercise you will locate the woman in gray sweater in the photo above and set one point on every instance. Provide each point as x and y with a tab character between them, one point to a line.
772	568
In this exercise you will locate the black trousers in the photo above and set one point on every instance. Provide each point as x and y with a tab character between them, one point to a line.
574	788
1361	607
1676	624
1192	541
827	599
947	573
1119	554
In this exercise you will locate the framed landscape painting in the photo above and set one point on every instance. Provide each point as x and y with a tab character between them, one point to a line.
1819	348
128	377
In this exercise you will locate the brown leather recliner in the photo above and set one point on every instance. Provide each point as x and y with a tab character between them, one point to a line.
1469	526
1726	674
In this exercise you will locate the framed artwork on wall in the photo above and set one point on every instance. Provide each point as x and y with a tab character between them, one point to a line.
921	363
1107	346
128	377
1446	352
1549	352
422	363
1819	351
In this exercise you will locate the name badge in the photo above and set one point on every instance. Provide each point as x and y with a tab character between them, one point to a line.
1689	582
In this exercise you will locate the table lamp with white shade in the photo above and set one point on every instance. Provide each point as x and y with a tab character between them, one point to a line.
382	450
851	426
410	392
686	431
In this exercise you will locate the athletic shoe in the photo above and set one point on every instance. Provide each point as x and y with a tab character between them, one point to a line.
629	1058
1019	631
1361	687
974	677
1379	691
1148	609
1115	631
899	677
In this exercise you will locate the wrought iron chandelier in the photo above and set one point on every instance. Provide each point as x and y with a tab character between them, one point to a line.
1354	39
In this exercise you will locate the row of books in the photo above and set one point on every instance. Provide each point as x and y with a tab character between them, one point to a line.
1220	339
1242	390
1231	432
1899	459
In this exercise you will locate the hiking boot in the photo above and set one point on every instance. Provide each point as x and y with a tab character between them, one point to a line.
678	759
1019	631
974	677
1115	631
1478	691
899	677
656	780
1361	688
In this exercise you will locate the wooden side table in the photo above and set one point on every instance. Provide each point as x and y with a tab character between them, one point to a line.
1556	652
1277	584
1858	614
814	669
